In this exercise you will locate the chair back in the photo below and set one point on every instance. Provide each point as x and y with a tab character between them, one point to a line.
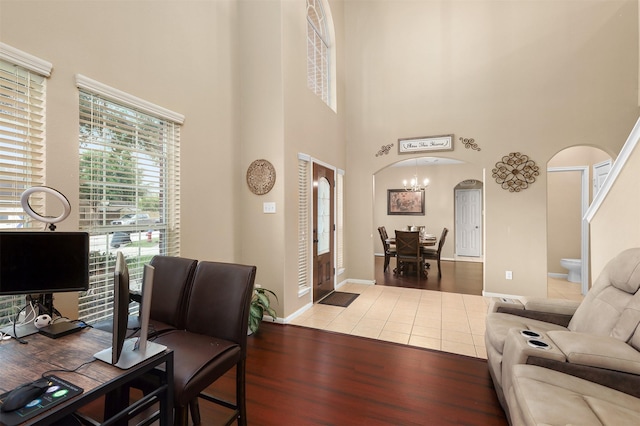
384	237
443	237
408	244
219	301
171	285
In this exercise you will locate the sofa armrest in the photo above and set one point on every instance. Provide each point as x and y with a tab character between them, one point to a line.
618	380
555	311
551	306
497	303
597	351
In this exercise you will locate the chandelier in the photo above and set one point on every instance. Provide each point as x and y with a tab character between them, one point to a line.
415	185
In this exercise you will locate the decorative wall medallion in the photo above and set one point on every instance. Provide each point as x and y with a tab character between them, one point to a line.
470	143
515	172
384	150
261	176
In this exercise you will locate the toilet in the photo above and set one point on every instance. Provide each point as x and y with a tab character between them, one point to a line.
574	266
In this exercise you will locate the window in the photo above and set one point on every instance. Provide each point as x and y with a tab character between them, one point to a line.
129	187
23	82
318	51
303	224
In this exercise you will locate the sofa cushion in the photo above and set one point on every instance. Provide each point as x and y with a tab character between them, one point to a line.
604	304
628	322
540	396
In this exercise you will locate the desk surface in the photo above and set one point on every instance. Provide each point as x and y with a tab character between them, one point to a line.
26	362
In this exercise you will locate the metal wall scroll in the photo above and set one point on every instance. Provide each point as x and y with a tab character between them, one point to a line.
384	150
515	172
470	143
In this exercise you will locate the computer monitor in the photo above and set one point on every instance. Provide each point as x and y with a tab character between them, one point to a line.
127	352
43	262
40	264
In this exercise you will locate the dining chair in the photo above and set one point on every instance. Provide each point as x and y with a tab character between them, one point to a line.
389	252
435	254
408	251
214	340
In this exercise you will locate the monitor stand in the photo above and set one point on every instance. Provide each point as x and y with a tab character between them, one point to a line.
131	355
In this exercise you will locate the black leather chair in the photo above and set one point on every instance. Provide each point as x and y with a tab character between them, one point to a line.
408	251
434	254
171	286
214	338
388	251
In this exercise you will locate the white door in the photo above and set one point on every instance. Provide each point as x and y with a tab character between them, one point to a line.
600	172
468	222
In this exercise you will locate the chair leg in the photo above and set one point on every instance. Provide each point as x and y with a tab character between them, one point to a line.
180	416
439	269
386	263
194	408
241	393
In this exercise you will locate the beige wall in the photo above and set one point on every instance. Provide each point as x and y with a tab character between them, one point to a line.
175	54
526	76
279	118
615	227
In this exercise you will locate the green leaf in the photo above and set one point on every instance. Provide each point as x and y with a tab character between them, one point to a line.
263	300
256	311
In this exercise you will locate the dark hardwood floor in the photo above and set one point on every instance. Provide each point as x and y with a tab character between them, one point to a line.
457	277
304	376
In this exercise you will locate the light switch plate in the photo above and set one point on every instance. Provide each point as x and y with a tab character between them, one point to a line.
269	207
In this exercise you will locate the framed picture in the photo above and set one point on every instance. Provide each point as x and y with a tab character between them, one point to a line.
425	144
403	202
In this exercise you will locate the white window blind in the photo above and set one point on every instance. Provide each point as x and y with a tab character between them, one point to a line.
340	220
22	137
303	224
129	189
318	50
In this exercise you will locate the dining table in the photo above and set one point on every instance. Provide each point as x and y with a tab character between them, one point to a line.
425	241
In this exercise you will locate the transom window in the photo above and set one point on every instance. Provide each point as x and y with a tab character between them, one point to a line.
318	49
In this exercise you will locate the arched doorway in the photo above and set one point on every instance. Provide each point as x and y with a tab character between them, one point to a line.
569	193
445	175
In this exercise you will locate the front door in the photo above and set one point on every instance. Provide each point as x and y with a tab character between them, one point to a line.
323	227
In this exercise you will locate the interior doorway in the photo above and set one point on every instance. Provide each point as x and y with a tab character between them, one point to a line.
569	194
468	218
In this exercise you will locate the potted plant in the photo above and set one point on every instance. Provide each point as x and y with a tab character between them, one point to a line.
260	303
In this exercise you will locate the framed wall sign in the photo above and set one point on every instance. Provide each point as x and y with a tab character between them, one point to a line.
425	144
403	202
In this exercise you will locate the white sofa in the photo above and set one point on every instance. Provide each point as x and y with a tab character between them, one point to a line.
557	362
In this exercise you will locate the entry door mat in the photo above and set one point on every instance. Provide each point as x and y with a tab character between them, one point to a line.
59	391
339	298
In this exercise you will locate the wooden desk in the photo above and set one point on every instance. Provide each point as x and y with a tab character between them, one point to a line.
26	362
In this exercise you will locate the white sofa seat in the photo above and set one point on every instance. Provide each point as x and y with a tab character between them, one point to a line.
540	396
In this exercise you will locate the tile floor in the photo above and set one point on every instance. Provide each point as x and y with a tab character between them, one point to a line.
448	322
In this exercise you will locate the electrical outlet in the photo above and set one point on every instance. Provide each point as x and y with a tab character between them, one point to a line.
508	275
269	207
